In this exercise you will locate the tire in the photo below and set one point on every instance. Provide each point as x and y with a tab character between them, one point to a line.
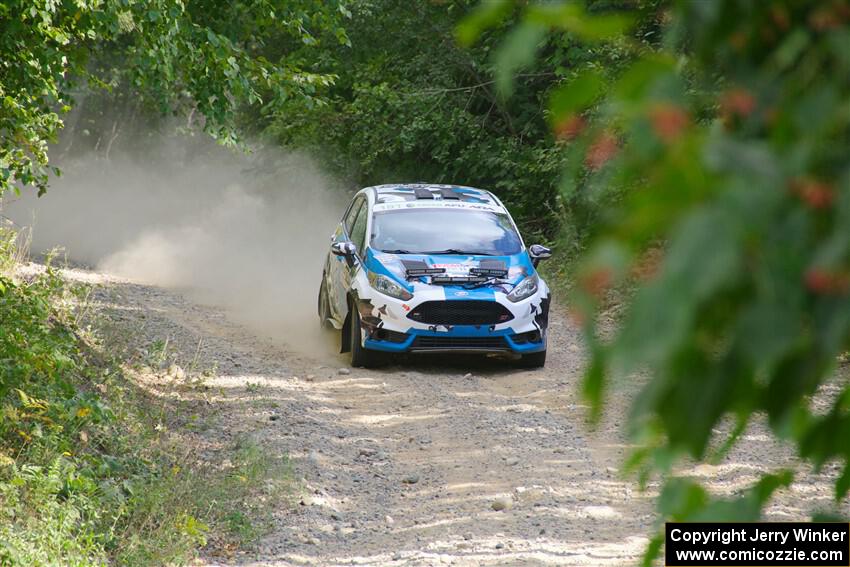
324	306
361	357
533	360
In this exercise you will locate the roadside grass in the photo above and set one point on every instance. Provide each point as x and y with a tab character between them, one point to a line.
94	469
559	272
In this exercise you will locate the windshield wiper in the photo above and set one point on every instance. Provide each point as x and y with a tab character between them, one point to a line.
399	251
459	252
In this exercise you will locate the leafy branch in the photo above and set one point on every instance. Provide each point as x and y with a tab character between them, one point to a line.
720	140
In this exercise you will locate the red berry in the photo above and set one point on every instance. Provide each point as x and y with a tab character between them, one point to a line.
603	148
826	282
737	102
569	128
668	121
816	194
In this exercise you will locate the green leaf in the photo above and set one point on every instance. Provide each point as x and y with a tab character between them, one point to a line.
653	549
744	508
593	385
663	312
635	81
680	498
572	17
516	51
486	15
842	484
576	94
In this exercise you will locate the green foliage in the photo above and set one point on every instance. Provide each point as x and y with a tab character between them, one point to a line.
209	57
67	482
36	355
85	476
409	104
719	145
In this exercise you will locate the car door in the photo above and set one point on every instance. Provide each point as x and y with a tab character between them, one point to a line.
338	270
357	235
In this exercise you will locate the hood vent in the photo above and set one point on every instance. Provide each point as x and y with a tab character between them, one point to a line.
491	268
485	271
417	268
448	193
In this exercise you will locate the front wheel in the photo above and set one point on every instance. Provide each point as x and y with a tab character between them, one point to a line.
361	356
324	306
533	360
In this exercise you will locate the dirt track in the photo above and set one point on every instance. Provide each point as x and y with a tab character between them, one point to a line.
405	465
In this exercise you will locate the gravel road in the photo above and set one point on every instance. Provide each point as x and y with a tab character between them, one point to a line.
430	461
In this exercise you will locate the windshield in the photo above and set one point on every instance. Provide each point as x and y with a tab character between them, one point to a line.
433	231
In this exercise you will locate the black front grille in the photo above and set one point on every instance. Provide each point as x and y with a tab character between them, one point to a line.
460	312
471	343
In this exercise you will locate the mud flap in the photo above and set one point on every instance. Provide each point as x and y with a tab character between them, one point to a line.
345	343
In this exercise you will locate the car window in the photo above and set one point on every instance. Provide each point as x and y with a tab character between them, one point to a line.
358	229
419	231
352	214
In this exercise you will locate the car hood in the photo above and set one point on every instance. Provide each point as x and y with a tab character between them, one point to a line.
396	265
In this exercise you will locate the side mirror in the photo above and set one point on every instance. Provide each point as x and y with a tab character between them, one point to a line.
538	252
344	249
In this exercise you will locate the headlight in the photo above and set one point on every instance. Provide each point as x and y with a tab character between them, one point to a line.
388	287
525	288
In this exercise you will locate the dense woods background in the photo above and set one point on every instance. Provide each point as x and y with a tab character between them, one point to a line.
693	154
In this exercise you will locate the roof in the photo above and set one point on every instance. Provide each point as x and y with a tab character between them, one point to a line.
433	195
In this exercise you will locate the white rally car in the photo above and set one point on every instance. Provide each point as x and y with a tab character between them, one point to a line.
433	268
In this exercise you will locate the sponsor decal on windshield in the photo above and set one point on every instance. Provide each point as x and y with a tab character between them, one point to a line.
437	204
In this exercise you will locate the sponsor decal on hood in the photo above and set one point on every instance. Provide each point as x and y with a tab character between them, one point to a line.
518	267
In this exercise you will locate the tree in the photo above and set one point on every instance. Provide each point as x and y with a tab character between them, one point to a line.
209	57
409	104
724	140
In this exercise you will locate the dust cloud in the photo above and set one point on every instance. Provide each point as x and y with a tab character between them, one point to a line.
248	234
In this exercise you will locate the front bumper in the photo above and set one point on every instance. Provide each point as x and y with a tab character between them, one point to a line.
387	328
459	339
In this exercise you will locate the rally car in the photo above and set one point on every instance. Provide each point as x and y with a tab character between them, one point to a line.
433	269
